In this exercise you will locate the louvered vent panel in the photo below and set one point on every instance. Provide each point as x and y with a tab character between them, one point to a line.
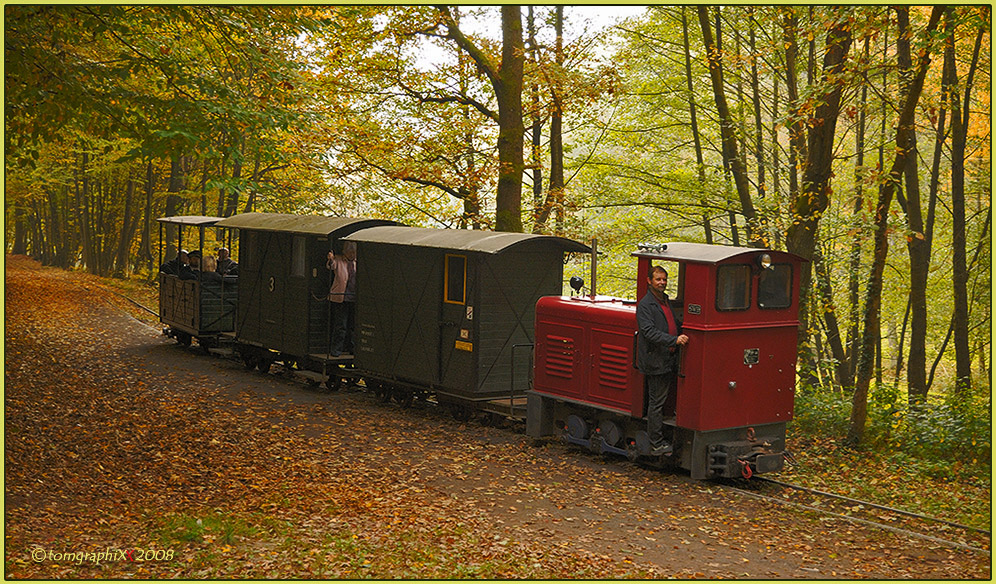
613	366
559	356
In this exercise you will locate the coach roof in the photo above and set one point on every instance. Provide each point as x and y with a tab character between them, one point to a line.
492	242
306	224
196	220
703	252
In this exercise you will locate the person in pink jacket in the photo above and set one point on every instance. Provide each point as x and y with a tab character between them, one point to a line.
342	295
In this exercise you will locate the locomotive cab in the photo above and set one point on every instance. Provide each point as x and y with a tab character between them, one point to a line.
736	375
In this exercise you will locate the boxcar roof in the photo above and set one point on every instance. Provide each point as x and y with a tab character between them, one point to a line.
308	224
705	253
190	220
462	239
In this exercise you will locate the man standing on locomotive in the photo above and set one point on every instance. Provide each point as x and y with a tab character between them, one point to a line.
657	353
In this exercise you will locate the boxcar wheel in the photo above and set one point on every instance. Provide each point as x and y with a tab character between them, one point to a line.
249	361
183	338
263	364
461	413
405	398
334	382
382	392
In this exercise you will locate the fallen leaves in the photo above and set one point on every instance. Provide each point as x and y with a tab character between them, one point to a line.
116	438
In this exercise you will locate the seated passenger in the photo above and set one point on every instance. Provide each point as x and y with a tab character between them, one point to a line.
226	265
210	273
173	266
194	270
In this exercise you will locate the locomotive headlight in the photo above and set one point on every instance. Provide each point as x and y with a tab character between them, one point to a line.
764	260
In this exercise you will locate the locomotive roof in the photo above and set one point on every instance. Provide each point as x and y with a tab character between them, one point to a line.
461	239
190	220
309	224
706	253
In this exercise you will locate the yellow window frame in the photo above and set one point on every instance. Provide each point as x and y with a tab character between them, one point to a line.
446	280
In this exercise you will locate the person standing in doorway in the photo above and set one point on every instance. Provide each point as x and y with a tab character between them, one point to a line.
659	338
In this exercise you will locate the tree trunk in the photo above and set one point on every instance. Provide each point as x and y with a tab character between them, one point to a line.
811	201
959	135
919	251
232	206
145	246
174	202
825	291
554	203
726	124
128	225
557	184
83	207
796	130
873	297
536	159
506	80
508	91
20	230
847	368
696	140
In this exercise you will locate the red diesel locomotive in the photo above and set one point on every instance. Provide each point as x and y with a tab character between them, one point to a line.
736	376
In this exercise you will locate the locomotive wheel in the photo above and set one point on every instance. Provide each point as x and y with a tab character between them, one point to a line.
610	432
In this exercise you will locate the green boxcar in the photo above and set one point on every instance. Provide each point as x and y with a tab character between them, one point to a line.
448	310
283	280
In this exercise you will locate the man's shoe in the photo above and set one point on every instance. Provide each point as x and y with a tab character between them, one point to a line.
662	449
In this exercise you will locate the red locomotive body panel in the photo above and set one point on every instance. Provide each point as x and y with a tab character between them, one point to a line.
585	351
723	388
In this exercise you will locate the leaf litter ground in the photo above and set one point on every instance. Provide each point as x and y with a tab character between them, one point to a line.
118	439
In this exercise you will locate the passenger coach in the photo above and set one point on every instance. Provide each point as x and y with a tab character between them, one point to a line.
283	308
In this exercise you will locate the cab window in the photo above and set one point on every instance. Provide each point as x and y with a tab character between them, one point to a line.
733	287
774	289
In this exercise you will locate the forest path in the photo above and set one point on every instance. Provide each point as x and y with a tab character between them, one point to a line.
119	439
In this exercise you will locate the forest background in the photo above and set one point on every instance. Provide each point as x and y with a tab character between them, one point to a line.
855	136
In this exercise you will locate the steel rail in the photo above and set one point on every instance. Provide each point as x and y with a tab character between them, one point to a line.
874	505
883	526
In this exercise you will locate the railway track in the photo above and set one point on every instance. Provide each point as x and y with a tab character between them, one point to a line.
916	525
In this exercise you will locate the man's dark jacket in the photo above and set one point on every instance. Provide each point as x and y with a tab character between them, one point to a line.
657	352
